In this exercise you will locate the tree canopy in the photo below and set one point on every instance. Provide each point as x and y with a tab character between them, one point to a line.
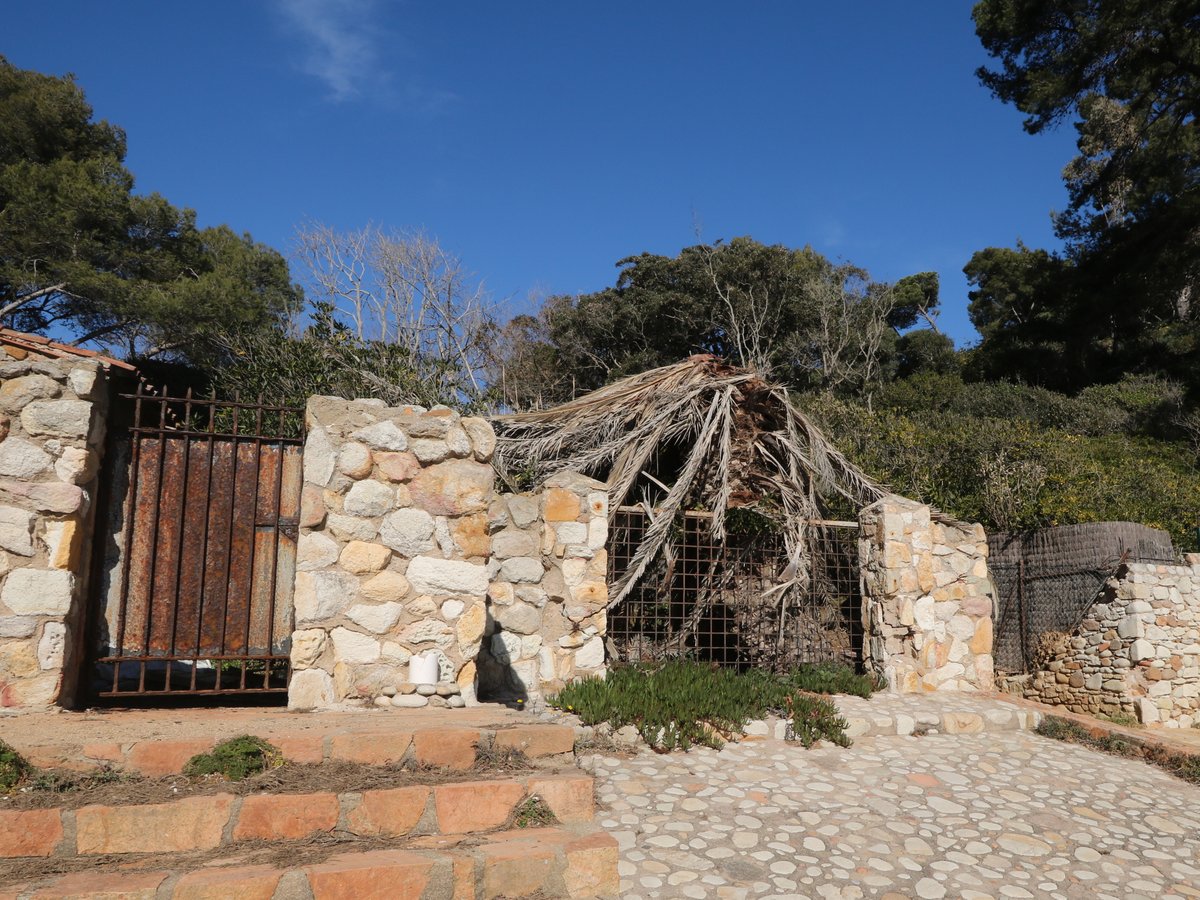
1128	75
789	313
82	254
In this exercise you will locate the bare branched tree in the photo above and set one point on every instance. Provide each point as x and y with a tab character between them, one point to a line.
403	289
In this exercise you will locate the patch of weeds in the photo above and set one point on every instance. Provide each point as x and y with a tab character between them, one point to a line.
1120	718
1182	765
814	719
14	768
681	703
236	759
69	782
533	813
490	758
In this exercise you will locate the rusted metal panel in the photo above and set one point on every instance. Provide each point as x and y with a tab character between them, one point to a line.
209	552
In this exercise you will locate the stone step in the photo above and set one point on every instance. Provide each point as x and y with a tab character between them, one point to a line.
214	821
918	714
578	862
453	747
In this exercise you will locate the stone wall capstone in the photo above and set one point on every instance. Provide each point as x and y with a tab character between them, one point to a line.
51	442
1136	652
927	600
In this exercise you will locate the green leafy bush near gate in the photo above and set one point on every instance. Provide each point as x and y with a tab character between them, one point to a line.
14	768
236	758
682	703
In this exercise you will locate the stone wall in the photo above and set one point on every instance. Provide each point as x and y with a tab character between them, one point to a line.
1137	651
405	548
927	600
548	593
51	440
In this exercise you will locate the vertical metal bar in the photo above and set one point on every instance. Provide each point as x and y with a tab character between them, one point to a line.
132	493
183	502
229	543
212	409
258	411
277	504
162	456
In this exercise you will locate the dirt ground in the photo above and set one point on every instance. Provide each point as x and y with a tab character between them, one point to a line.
71	730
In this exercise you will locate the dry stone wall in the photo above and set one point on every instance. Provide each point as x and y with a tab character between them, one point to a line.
927	600
51	440
406	550
1136	652
548	593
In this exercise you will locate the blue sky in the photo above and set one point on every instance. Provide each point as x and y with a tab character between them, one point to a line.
543	141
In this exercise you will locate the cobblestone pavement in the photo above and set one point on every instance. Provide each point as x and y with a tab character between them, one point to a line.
1001	815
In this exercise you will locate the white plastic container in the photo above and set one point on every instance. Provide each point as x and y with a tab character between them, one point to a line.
423	669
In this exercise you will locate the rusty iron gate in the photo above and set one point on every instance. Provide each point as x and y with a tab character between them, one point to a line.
713	601
201	599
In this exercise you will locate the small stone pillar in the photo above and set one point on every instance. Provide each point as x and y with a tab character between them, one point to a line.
52	420
927	599
548	595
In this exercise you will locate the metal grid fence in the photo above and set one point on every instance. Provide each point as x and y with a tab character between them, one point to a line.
713	600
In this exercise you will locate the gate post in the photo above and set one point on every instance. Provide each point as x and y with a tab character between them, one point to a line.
927	611
51	440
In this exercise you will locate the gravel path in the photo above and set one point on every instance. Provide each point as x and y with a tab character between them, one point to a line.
1003	815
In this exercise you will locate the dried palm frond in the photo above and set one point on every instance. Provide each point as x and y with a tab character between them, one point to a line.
731	439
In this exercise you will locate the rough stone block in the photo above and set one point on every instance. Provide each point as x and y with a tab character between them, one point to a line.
570	797
382	436
398	467
315	551
38	592
561	505
285	817
364	557
453	488
156	758
518	868
408	531
195	823
104	886
446	748
17	393
354	647
33	832
385	586
310	689
391	874
369	499
475	806
58	418
390	812
377	619
537	741
16	530
444	576
592	866
22	459
319	596
242	882
370	748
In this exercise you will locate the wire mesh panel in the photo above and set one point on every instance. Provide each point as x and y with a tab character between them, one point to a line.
1047	581
200	601
718	601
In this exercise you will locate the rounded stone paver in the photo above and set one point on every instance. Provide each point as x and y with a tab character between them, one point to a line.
999	815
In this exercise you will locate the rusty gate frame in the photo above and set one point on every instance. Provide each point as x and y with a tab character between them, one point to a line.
176	419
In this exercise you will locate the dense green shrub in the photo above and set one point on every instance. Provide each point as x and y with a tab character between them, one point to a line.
680	703
813	719
237	758
1014	474
14	768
